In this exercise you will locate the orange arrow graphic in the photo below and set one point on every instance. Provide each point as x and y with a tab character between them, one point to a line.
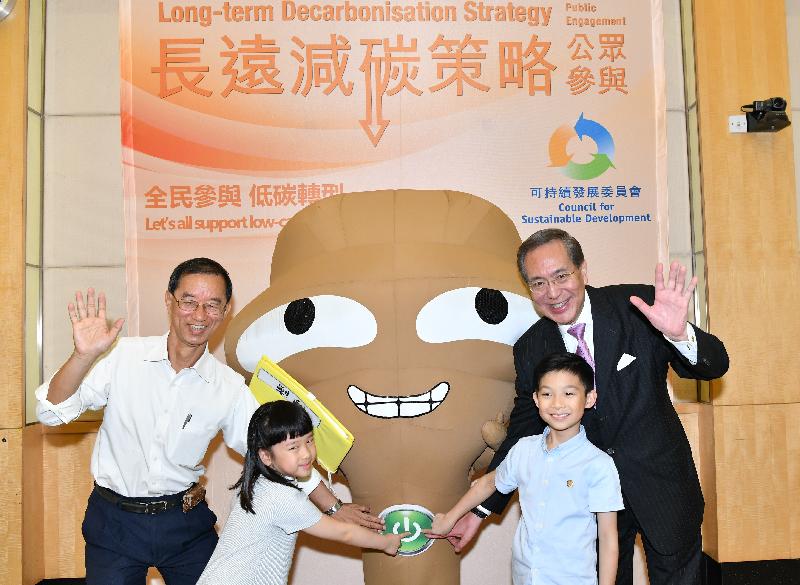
558	146
374	130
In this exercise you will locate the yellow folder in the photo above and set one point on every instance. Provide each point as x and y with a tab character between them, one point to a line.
270	382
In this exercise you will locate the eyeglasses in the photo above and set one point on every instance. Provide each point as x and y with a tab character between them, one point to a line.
539	285
212	309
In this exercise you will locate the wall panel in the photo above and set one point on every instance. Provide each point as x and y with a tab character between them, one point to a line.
749	198
33	501
11	506
698	423
753	270
758	481
67	452
13	96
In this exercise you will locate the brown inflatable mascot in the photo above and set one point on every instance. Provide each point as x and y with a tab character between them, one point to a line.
398	310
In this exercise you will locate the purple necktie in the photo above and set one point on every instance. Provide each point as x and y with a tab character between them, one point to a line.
583	349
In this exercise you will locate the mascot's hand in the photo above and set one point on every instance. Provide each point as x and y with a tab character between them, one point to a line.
494	431
480	464
358	514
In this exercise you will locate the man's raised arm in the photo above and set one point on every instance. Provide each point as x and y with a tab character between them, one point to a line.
703	355
91	336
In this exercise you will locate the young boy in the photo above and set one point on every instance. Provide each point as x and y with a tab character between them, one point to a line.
569	489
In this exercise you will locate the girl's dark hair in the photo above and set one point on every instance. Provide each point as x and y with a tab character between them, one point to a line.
272	423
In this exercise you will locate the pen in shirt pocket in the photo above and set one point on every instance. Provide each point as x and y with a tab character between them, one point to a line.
186	422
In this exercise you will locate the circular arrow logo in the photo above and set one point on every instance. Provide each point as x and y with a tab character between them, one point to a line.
409	518
601	160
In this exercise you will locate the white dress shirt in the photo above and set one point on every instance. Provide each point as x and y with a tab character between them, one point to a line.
157	422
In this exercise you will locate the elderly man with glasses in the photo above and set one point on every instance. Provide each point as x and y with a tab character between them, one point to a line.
630	335
165	398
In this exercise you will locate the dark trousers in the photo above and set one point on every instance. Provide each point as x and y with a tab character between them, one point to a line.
682	568
122	546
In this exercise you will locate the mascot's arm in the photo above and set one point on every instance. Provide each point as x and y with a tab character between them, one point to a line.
493	432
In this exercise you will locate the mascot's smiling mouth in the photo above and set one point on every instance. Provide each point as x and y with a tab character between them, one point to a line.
398	406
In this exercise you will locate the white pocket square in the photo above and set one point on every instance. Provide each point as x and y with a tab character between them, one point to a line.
624	361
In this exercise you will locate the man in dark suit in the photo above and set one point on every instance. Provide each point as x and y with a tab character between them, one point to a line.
630	334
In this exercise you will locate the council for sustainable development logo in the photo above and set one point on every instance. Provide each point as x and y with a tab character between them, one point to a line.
601	160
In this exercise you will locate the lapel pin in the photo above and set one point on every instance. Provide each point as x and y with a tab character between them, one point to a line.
570	483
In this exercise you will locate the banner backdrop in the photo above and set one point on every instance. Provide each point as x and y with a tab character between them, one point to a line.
237	115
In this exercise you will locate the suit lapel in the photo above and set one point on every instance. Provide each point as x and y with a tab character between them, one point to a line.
552	342
606	337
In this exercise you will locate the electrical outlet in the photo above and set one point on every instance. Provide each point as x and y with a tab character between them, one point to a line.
737	124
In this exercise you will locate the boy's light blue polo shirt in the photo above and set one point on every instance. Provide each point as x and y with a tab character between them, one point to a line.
559	492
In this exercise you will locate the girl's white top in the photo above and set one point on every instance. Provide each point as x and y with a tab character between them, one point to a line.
257	549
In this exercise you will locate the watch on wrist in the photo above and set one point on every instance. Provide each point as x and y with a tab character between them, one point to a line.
335	508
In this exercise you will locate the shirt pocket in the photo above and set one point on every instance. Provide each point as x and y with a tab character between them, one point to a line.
189	445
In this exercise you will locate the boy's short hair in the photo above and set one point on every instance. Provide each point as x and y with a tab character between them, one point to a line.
564	362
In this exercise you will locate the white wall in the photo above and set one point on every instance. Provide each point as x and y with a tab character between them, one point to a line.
83	239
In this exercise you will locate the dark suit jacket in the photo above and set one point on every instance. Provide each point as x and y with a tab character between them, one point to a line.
634	420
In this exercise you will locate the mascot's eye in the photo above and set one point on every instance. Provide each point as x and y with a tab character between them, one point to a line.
308	323
491	306
299	316
475	313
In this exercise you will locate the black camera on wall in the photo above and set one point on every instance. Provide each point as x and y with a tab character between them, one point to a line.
767	115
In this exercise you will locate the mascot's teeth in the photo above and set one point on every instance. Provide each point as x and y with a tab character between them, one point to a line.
398	406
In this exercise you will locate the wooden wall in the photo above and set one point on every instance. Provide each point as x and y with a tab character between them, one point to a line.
698	422
67	452
13	99
56	485
753	280
33	503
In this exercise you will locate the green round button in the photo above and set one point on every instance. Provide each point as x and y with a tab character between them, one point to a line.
409	518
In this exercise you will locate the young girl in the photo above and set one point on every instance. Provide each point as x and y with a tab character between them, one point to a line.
257	544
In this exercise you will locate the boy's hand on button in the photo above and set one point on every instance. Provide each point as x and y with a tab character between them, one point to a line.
440	527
